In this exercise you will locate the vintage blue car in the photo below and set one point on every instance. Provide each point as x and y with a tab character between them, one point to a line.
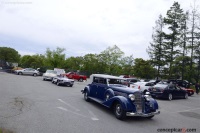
109	91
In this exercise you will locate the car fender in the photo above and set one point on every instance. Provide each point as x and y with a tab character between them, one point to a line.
154	103
87	88
125	102
110	92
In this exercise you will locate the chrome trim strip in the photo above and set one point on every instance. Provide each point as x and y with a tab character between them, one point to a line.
142	114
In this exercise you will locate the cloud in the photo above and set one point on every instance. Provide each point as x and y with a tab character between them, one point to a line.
81	27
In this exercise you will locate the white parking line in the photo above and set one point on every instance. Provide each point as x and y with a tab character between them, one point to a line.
94	118
68	105
64	109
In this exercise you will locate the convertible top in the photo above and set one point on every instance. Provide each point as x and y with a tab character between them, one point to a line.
105	76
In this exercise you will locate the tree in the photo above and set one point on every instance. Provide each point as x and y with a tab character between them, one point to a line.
173	21
111	57
143	69
156	49
91	64
55	58
193	36
74	63
183	43
9	55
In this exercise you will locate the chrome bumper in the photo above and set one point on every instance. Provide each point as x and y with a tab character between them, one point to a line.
142	114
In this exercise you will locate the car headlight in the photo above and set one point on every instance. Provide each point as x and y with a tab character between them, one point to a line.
147	97
132	97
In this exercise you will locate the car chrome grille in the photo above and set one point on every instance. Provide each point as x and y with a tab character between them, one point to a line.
138	101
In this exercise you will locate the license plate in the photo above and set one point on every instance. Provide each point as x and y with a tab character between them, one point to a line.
154	89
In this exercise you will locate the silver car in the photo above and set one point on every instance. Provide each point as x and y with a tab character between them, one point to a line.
63	80
27	71
49	75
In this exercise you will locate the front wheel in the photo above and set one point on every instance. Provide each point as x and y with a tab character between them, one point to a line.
34	74
57	83
86	96
119	112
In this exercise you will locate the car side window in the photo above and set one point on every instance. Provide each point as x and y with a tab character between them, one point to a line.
171	87
102	80
96	80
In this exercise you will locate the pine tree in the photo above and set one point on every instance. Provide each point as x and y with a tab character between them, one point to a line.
155	50
173	20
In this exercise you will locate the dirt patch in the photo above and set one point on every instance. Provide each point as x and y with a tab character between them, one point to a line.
3	130
191	114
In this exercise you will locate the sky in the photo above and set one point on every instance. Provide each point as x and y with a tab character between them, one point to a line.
81	26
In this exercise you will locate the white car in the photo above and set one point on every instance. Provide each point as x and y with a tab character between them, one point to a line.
63	80
142	86
49	75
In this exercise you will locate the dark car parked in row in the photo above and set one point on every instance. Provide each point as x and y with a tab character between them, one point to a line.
168	91
182	83
110	92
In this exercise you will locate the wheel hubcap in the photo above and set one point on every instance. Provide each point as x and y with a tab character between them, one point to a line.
86	95
170	96
118	109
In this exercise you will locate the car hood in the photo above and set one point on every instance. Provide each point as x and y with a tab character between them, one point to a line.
49	74
65	79
122	88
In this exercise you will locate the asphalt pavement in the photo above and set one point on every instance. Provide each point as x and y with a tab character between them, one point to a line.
30	105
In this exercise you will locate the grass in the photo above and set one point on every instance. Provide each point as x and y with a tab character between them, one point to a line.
3	130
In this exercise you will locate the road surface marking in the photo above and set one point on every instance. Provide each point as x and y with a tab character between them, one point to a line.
68	105
94	118
64	109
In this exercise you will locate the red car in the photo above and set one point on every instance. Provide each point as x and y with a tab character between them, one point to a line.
76	76
189	91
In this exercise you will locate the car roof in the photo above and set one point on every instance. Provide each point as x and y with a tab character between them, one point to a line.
106	76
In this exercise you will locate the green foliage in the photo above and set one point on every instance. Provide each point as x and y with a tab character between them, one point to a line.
143	69
55	58
173	20
34	61
9	55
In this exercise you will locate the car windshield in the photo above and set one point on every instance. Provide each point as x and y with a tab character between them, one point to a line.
161	85
51	71
115	81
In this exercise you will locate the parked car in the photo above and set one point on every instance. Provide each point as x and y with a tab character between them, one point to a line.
49	74
27	71
142	86
168	91
189	91
109	91
128	81
63	80
75	75
182	83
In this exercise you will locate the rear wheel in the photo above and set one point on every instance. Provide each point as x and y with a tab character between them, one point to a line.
119	112
20	73
186	96
81	80
170	97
